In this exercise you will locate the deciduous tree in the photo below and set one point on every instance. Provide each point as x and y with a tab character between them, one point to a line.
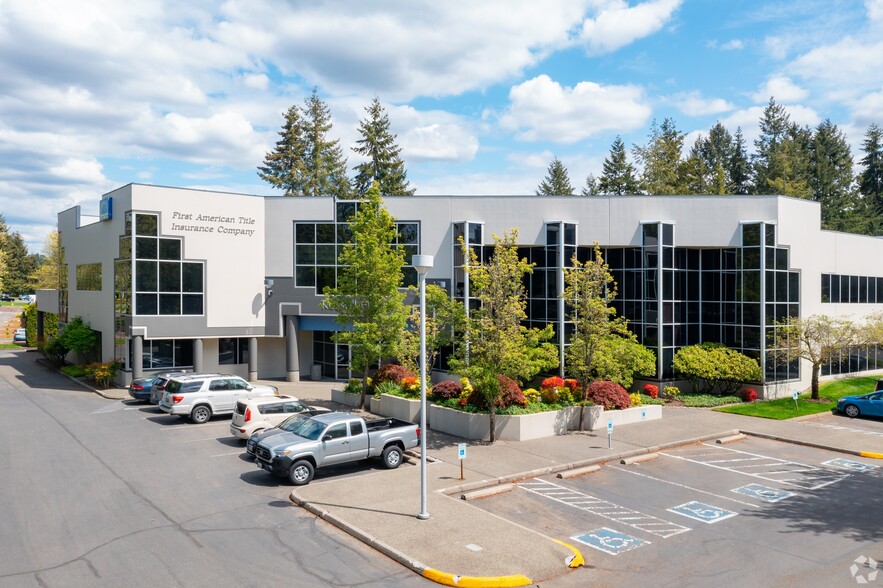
445	321
370	308
45	277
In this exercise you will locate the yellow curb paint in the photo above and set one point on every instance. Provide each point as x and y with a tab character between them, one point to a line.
870	454
578	559
474	581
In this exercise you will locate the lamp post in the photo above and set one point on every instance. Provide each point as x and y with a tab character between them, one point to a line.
422	263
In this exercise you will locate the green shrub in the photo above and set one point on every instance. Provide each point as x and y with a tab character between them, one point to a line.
74	371
708	400
353	386
56	350
671	392
102	373
387	387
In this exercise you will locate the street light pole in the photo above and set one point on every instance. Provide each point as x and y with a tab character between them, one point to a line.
422	263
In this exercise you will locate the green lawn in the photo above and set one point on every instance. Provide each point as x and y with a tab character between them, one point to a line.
9	346
783	408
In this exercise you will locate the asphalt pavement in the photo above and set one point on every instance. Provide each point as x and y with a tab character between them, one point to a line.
461	544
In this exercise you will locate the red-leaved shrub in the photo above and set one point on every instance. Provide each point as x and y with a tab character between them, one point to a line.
446	390
608	394
749	395
512	394
552	382
391	372
651	390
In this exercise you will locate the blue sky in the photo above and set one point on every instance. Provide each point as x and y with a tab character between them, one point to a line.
482	95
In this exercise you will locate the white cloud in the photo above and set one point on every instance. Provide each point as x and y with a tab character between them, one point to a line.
256	81
79	171
782	89
850	64
433	135
542	110
875	9
748	120
733	45
533	160
694	104
868	109
617	24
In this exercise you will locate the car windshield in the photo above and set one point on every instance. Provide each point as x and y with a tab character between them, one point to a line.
308	429
291	422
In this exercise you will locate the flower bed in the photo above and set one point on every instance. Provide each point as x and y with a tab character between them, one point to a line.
406	409
524	427
345	398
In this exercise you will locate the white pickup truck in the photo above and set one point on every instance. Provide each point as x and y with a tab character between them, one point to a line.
331	439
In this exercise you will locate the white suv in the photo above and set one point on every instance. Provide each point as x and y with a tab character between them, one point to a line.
255	415
198	397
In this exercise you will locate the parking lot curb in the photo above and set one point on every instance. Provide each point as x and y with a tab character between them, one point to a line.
437	576
48	365
813	445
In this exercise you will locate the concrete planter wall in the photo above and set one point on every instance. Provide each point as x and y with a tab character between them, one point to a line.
524	427
406	409
341	397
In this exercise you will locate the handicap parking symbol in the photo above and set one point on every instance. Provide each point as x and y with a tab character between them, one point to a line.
764	493
848	464
703	512
609	541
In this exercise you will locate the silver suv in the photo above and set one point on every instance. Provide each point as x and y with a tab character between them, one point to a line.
200	396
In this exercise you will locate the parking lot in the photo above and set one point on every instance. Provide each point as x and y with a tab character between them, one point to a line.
748	512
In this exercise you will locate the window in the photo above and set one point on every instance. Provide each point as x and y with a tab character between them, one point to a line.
233	351
164	283
165	353
336	431
89	276
355	428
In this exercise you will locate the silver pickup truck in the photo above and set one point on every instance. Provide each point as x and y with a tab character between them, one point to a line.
331	439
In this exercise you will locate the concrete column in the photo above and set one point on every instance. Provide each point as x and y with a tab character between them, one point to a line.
137	357
252	359
292	363
197	356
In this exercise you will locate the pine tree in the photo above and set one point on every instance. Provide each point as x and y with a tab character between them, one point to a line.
19	265
384	164
767	162
697	176
285	166
556	182
325	164
662	166
305	162
618	175
738	166
832	179
591	188
792	163
870	180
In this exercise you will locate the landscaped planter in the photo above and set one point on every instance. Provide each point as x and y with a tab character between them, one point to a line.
406	409
524	427
341	397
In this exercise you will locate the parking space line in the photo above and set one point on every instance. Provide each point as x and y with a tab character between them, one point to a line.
684	486
814	478
607	510
842	428
230	453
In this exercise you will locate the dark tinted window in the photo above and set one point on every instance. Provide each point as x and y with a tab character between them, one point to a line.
355	428
336	431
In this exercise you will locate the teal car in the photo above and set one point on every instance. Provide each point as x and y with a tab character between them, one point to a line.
867	404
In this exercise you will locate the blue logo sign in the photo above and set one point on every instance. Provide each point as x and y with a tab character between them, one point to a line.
461	450
609	426
609	541
764	493
703	512
848	464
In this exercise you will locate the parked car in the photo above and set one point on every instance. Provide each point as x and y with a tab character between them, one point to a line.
331	439
867	404
286	425
879	385
255	415
28	298
161	380
199	396
20	336
142	388
6	297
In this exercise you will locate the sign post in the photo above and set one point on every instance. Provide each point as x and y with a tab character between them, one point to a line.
609	434
794	396
461	455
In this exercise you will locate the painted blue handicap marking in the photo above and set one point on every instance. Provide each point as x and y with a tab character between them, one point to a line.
703	512
764	493
609	541
854	466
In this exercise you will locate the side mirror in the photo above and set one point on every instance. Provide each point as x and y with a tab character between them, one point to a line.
327	438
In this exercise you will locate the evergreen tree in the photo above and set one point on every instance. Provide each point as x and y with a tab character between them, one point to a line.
717	153
384	164
618	175
19	265
738	166
556	182
285	166
792	160
591	188
870	180
697	175
305	162
662	167
767	162
832	180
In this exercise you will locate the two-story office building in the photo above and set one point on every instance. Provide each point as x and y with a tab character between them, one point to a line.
211	281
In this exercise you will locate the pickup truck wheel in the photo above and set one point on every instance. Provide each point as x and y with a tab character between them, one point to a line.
201	414
392	457
301	473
